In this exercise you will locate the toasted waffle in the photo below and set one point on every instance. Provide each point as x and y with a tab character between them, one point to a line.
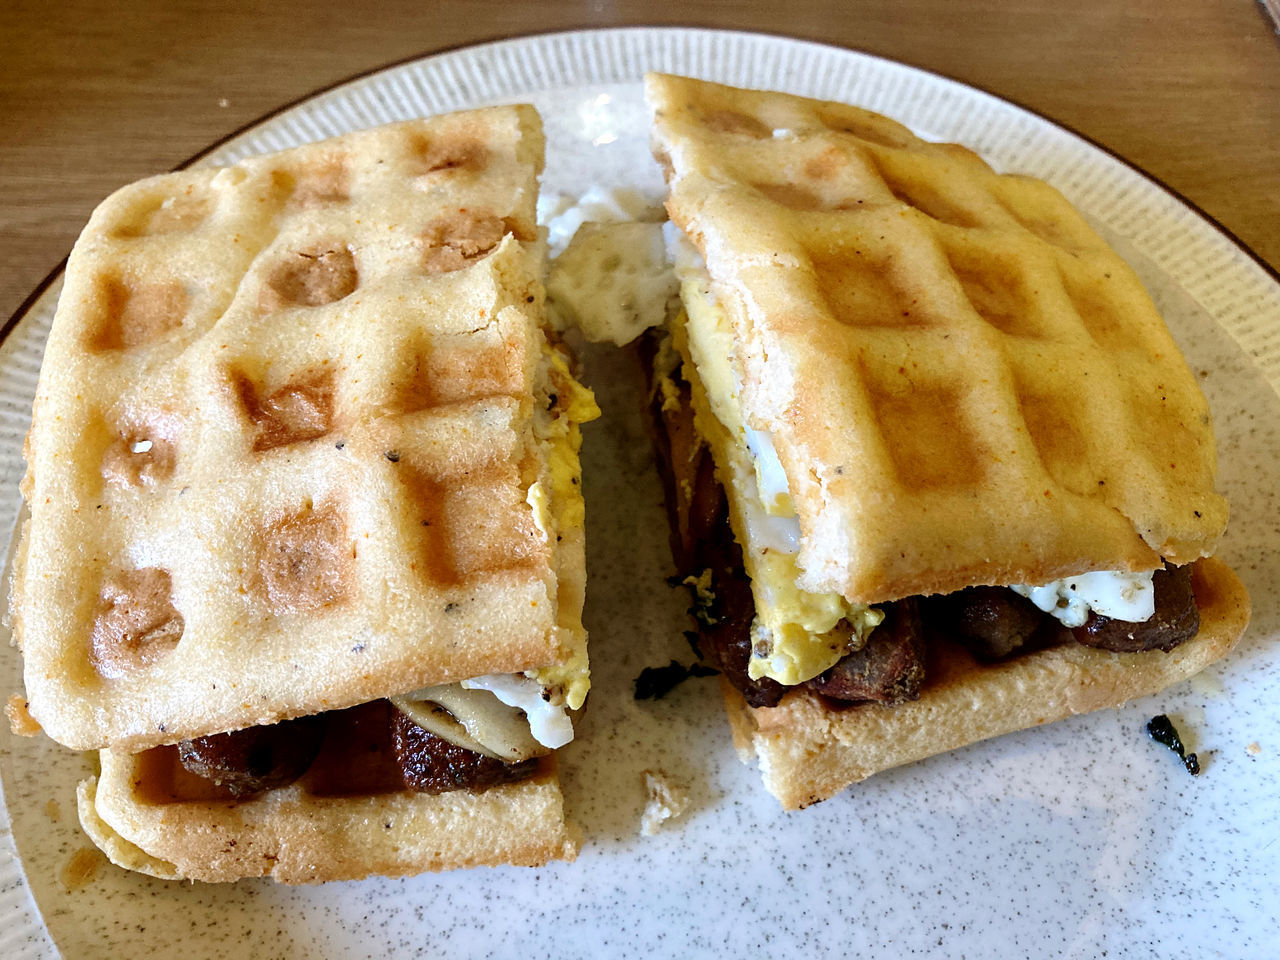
284	440
964	386
347	817
963	382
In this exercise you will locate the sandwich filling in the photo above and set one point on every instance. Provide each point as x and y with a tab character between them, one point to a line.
794	636
797	637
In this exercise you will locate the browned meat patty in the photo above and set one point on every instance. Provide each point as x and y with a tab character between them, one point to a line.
726	642
431	764
1176	620
992	622
890	666
247	762
258	758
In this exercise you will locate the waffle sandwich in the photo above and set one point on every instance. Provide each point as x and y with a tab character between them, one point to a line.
901	385
301	444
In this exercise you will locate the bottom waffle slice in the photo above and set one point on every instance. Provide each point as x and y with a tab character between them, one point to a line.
809	752
348	816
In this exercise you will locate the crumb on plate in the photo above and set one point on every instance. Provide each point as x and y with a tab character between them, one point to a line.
667	800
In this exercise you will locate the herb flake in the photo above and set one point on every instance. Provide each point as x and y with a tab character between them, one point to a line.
654	683
1162	730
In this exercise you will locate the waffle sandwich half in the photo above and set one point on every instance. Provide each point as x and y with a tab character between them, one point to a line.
301	443
902	384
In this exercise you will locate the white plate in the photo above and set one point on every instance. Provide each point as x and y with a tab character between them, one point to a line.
1075	840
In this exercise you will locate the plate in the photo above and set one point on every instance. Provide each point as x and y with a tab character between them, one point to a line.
1076	840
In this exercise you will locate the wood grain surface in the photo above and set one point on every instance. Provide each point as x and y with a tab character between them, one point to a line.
95	94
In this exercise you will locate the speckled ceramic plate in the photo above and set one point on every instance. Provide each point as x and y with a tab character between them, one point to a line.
1077	840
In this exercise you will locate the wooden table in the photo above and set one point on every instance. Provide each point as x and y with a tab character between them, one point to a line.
94	94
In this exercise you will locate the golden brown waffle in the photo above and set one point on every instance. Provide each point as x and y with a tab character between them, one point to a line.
346	818
963	382
283	439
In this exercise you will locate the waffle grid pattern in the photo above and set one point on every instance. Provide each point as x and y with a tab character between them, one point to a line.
301	392
929	343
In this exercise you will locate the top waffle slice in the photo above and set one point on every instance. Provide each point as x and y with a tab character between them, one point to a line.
964	383
282	441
